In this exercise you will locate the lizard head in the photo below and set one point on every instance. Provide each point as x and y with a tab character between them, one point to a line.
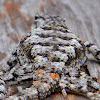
46	22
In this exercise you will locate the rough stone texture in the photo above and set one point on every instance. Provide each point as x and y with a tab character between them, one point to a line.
82	18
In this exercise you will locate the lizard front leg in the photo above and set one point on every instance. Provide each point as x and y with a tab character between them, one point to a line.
2	89
93	49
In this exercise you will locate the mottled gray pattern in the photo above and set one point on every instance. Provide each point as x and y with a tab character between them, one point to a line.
48	58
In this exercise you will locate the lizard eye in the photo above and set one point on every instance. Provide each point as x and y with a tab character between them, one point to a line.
36	17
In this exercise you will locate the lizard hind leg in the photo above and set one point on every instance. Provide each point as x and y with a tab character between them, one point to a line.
80	83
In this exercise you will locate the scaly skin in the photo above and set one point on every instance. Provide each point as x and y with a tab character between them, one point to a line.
48	58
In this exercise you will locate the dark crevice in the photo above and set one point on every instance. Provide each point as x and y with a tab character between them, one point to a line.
98	53
14	53
15	75
89	45
44	44
23	39
29	53
77	53
55	36
86	69
43	54
68	62
56	59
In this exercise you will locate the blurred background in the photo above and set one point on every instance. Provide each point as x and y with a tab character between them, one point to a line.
82	18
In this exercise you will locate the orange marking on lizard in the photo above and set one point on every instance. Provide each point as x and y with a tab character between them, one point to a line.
41	72
36	81
53	76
